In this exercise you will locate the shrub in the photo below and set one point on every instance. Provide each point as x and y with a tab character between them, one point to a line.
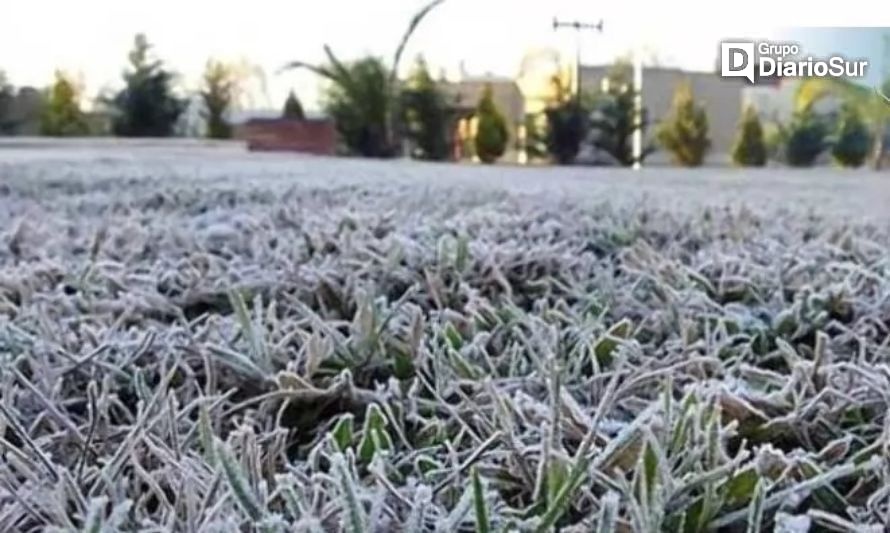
852	140
567	127
749	148
684	133
805	138
293	109
62	116
360	105
492	134
363	96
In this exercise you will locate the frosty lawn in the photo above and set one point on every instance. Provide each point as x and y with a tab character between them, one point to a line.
194	339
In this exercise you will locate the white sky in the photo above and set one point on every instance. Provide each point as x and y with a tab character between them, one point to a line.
91	38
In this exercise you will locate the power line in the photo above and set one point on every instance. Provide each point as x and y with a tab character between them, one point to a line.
578	26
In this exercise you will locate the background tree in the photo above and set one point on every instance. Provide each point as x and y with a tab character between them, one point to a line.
492	134
614	120
684	132
805	138
536	133
7	98
567	127
61	115
363	96
425	115
749	148
147	106
360	105
852	138
293	109
567	124
872	105
218	95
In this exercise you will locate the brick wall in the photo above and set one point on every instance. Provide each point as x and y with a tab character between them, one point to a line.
309	136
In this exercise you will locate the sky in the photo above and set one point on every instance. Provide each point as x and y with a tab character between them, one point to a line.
91	38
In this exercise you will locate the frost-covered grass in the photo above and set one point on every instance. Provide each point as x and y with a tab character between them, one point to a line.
218	343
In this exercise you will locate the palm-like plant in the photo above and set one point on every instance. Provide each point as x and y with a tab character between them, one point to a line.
873	105
363	97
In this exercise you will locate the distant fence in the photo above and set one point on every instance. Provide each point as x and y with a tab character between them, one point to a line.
309	136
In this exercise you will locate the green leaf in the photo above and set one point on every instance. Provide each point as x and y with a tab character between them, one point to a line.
694	517
402	364
343	432
374	434
607	344
252	334
650	470
557	476
483	525
739	489
678	439
464	368
238	483
563	498
454	338
355	518
755	509
424	465
140	386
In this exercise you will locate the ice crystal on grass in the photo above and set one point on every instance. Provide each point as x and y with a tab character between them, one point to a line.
252	350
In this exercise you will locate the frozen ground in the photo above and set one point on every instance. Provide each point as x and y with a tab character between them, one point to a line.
224	166
197	339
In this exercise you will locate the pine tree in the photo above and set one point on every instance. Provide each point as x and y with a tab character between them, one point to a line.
492	134
614	119
293	109
684	132
426	118
853	139
567	124
805	138
7	97
218	95
749	149
62	116
146	107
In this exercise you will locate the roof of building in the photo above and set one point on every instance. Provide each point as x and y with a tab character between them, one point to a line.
465	94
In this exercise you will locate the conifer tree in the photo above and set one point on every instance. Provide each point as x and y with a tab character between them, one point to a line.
147	105
749	148
62	116
684	133
492	134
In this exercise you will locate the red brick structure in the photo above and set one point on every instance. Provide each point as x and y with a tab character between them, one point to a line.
276	134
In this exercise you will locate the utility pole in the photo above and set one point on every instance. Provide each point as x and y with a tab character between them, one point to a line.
638	109
578	26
